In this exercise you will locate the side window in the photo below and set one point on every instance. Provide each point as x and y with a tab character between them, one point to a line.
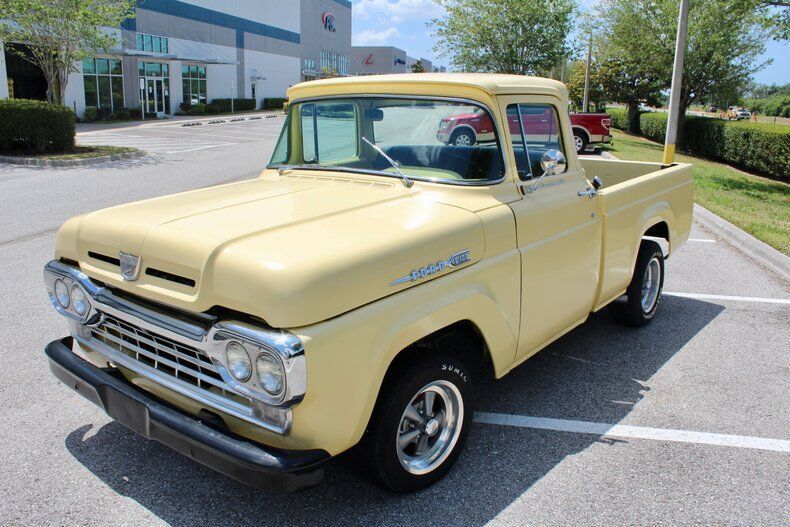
534	128
329	132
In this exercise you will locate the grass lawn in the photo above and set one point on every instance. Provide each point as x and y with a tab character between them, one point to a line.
757	205
78	152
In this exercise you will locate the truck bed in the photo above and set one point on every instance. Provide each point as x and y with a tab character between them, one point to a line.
637	197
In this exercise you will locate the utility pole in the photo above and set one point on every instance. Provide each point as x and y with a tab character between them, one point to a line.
586	102
677	82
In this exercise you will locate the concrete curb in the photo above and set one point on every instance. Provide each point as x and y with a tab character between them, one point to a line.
33	161
759	251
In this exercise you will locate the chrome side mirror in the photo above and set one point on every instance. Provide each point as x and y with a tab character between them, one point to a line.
552	162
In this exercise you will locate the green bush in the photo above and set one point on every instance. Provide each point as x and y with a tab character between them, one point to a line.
90	114
619	118
776	106
212	108
653	125
196	109
35	125
273	103
760	147
239	105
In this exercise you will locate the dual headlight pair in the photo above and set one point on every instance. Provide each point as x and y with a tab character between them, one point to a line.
70	299
269	370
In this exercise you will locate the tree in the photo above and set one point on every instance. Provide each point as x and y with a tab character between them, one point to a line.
575	84
520	37
417	67
57	34
724	44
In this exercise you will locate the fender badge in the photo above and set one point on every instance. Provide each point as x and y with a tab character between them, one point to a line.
423	272
130	266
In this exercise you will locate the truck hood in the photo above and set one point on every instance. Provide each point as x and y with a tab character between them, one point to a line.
291	250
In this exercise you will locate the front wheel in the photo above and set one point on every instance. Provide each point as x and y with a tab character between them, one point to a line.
421	423
643	295
463	138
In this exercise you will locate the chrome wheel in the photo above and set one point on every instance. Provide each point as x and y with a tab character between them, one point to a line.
579	142
463	140
651	284
429	427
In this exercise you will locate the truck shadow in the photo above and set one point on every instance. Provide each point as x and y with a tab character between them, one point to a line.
595	373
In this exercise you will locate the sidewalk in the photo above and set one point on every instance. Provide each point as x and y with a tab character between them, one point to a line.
179	119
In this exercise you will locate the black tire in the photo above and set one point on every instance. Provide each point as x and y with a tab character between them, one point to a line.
463	137
632	312
401	388
580	141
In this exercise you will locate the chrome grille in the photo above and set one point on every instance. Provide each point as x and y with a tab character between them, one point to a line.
185	363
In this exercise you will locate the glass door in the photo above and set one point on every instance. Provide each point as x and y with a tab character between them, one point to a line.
156	96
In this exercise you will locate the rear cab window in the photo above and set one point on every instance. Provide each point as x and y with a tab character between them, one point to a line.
537	131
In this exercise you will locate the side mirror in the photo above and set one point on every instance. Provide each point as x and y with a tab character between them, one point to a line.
553	162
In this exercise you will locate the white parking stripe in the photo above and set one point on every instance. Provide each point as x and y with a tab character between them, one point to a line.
728	297
633	432
701	240
198	148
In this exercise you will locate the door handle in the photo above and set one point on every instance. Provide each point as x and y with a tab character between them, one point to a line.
590	193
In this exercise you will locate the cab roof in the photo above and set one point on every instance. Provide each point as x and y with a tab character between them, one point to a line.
439	84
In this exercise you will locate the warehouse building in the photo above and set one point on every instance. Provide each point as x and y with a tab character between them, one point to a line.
195	51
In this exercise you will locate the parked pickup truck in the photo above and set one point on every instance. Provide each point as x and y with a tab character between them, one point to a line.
468	129
359	288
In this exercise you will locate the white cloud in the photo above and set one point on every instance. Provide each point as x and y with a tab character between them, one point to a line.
396	10
371	37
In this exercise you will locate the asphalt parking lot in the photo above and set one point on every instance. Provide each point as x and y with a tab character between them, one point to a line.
180	137
684	421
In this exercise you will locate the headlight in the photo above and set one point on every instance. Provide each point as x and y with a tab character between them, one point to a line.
79	301
270	373
62	293
238	361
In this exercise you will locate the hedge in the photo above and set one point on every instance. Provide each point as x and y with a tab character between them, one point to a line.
619	118
35	125
760	147
273	103
239	105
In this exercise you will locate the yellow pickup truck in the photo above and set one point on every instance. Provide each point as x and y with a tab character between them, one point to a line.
354	292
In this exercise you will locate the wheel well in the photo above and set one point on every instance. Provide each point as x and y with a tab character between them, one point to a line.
659	230
582	132
461	339
464	128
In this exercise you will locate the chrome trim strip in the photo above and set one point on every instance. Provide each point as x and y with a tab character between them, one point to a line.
499	136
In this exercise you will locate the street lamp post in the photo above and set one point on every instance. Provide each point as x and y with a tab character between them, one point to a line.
586	102
677	82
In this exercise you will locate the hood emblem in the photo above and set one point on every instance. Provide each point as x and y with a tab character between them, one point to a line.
423	272
130	266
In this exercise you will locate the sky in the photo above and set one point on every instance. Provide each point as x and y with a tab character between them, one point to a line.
402	23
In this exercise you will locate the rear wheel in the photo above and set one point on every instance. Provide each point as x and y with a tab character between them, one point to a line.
421	423
643	295
462	138
580	141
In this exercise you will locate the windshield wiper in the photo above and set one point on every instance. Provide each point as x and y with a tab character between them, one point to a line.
406	181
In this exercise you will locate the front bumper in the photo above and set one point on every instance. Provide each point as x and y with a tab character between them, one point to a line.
259	466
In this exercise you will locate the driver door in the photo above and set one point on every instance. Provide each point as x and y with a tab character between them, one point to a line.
558	231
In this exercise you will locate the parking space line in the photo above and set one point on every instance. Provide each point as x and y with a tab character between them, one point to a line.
633	432
701	240
197	148
701	296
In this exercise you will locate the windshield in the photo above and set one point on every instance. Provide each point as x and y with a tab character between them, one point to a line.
405	138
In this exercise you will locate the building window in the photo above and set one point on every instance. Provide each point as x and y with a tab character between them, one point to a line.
103	80
153	43
153	69
194	83
309	64
334	63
